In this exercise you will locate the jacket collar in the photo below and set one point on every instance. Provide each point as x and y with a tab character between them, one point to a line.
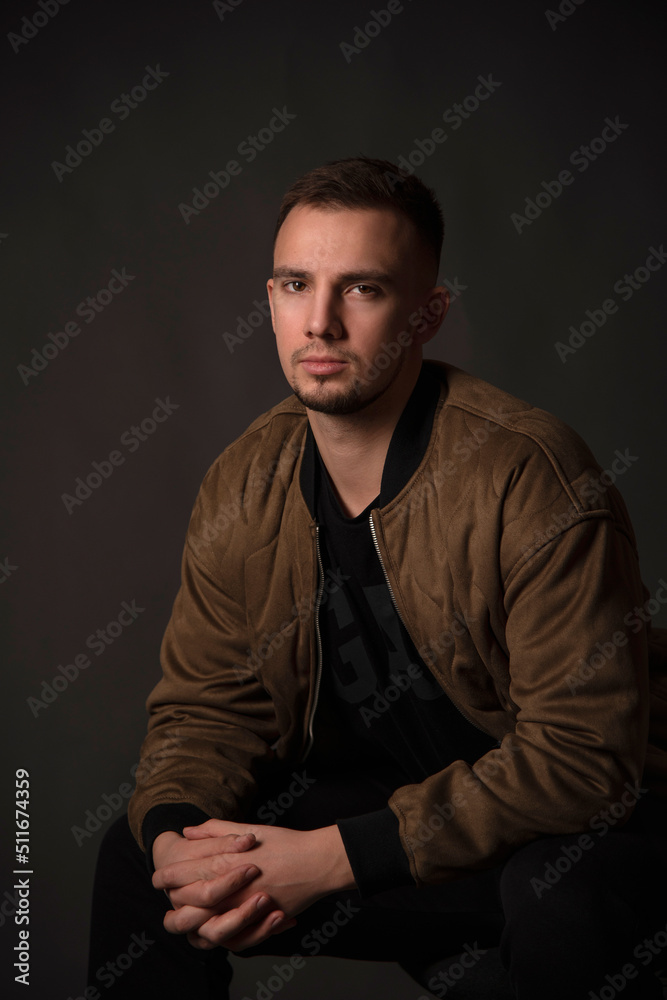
406	448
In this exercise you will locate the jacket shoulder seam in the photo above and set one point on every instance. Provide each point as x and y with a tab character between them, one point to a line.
538	441
600	514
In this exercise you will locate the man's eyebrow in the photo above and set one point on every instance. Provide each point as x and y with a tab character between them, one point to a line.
364	274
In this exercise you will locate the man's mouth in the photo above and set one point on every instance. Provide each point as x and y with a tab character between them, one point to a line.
323	365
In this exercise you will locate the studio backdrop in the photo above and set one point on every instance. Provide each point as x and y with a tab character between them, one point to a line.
146	149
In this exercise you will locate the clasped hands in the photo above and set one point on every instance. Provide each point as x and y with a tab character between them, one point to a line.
236	884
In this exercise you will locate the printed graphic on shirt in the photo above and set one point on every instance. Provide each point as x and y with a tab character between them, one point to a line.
365	668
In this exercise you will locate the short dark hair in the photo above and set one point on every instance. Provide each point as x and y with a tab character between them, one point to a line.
362	182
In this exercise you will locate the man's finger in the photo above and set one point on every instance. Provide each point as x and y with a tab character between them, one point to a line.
216	828
260	932
199	942
185	919
232	843
251	923
211	866
210	892
189	919
190	850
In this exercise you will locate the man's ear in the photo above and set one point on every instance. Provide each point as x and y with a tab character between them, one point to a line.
431	314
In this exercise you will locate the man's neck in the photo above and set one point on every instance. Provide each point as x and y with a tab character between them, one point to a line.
354	446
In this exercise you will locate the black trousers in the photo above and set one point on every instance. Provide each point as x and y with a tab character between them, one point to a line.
571	921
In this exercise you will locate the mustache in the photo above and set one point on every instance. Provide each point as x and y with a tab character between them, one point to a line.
303	353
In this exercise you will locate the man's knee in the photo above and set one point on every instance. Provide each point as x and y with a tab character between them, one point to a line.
119	841
552	873
120	860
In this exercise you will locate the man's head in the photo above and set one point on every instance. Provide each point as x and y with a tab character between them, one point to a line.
361	182
352	293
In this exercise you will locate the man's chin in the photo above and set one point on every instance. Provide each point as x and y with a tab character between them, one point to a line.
340	402
326	394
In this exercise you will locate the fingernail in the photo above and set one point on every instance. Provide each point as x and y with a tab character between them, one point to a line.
251	872
285	923
262	901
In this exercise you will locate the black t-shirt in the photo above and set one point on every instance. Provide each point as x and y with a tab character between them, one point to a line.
379	705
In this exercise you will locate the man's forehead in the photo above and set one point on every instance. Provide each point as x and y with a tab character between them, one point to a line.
353	238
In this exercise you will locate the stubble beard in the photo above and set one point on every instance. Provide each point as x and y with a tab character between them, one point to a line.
345	401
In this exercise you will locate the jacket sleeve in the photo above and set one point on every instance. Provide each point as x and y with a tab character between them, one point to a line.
576	659
211	720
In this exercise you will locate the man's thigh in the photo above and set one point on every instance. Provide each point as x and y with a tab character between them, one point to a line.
409	925
428	921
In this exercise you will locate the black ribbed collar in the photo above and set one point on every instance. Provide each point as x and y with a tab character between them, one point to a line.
406	448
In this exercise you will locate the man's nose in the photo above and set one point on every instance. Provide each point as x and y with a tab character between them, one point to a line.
323	319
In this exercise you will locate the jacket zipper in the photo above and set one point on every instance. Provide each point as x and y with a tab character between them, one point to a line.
398	612
386	577
318	674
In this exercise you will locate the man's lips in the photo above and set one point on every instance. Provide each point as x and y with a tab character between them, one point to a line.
323	365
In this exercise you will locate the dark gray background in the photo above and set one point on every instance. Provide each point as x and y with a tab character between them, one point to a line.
163	335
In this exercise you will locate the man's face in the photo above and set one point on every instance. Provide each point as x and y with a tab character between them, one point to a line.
345	283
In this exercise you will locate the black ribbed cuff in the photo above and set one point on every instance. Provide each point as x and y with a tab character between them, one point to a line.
168	816
375	853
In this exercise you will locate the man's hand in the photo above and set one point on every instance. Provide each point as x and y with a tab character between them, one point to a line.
295	869
218	874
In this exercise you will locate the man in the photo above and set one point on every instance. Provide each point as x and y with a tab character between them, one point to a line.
412	628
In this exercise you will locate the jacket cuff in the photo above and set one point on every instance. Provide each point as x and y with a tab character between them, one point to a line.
168	816
375	853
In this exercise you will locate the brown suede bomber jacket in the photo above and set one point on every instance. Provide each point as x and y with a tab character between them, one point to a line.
513	565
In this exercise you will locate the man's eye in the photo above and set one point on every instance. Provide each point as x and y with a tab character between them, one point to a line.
365	289
292	285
